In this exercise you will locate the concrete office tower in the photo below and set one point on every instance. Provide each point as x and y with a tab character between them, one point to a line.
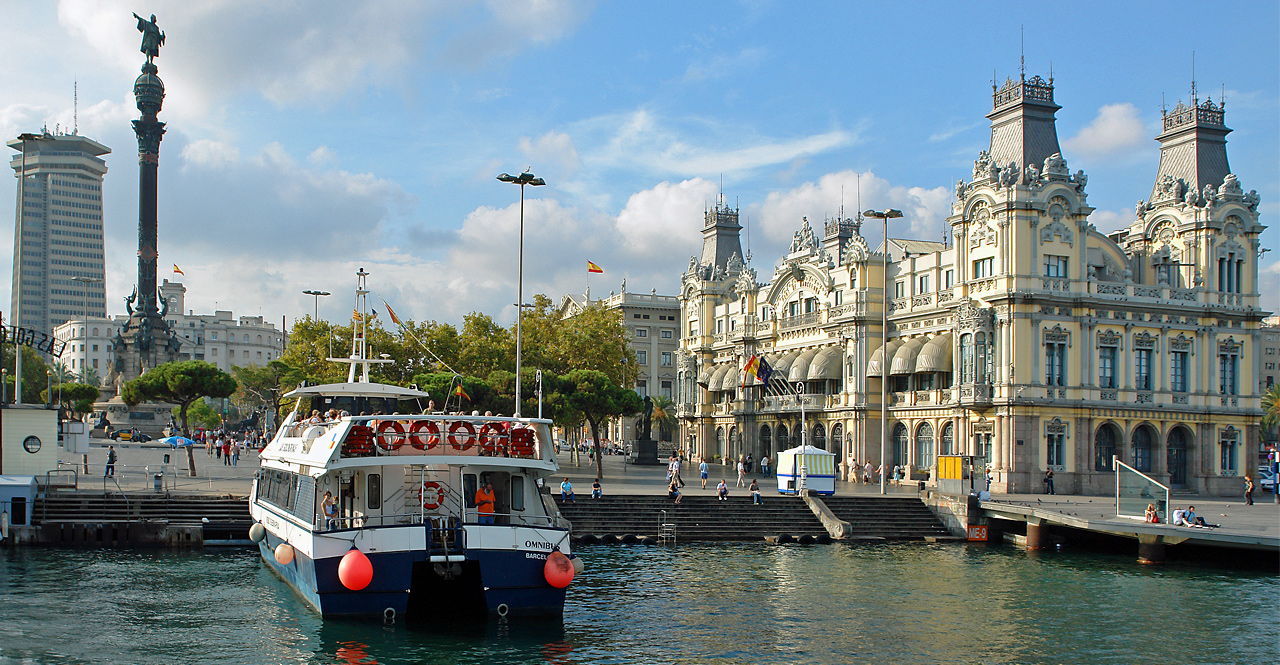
58	234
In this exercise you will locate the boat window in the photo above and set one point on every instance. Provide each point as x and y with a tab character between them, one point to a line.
374	494
517	493
469	489
356	406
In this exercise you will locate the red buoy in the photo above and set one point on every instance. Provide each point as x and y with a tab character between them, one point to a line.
355	571
558	570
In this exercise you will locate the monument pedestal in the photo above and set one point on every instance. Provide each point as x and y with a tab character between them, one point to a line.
645	452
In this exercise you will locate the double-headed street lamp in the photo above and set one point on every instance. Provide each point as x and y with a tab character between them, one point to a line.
317	295
523	179
885	215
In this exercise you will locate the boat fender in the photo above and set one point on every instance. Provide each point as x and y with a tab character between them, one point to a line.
284	554
630	539
785	538
355	571
257	532
590	539
558	570
468	440
647	540
503	609
389	615
806	539
609	539
578	566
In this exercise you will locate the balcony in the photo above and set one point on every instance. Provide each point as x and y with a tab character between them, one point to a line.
800	321
977	395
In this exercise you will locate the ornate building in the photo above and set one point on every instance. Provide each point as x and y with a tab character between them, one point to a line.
1033	341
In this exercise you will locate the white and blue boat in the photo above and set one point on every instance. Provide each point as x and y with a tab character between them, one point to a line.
403	484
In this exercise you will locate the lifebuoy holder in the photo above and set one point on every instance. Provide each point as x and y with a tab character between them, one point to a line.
431	495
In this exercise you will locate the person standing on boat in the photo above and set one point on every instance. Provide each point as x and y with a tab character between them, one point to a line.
329	508
484	503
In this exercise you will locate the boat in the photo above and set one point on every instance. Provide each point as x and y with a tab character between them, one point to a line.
403	511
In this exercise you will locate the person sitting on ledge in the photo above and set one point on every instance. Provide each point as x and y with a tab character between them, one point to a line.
673	490
722	490
566	491
755	494
596	492
1152	516
1195	520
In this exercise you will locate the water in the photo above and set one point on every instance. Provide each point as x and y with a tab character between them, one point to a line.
739	603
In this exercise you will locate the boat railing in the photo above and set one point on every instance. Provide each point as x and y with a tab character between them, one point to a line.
435	434
437	521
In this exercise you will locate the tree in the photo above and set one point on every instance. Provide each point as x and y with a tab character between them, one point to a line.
265	386
180	383
78	397
597	397
486	346
201	414
35	373
1271	408
663	417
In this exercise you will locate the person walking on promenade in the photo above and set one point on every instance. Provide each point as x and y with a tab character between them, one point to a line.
110	471
866	473
217	447
742	472
1248	490
208	443
702	471
722	490
749	463
1048	482
896	471
226	451
755	494
566	491
235	452
764	466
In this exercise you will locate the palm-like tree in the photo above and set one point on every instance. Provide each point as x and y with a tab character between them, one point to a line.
1271	408
664	417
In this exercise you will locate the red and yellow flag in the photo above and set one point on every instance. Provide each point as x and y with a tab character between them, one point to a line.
178	270
392	313
462	393
591	267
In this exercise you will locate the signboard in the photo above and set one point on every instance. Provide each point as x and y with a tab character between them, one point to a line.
34	339
978	532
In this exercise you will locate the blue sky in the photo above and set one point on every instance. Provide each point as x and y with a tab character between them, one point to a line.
308	139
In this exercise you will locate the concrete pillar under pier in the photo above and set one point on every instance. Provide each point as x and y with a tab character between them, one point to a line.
1150	549
1037	534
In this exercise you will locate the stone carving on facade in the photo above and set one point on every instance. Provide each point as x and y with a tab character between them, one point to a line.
1057	335
1032	174
734	264
983	167
1140	210
960	189
804	240
1180	343
1231	189
1081	180
1058	208
1191	198
1169	189
1055	167
1109	338
1251	200
1229	345
1144	340
969	316
1008	177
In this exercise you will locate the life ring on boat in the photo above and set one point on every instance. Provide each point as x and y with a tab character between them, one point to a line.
390	435
493	439
469	437
433	435
431	495
522	442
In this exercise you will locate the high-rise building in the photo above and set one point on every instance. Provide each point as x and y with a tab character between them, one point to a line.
58	256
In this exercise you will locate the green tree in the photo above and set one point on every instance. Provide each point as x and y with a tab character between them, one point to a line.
486	346
595	339
265	386
78	397
35	373
663	417
201	413
180	383
597	397
1271	408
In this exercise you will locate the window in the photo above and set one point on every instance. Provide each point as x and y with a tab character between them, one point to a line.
922	284
643	356
1142	441
666	389
95	366
1055	363
810	305
948	439
517	493
966	358
1178	371
213	335
719	325
982	358
642	388
666	358
693	328
1054	445
667	334
839	297
1142	369
899	455
1104	448
95	348
793	309
983	268
641	332
924	446
949	279
373	493
1055	266
1227	365
213	352
899	289
1107	367
1229	440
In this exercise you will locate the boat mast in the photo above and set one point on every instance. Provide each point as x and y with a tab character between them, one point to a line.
359	334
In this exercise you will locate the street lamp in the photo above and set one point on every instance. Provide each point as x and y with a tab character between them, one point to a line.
523	179
17	271
885	215
84	346
317	295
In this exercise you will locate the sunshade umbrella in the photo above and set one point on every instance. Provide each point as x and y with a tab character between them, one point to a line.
178	441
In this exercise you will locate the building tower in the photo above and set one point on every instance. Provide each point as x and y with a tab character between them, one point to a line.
57	242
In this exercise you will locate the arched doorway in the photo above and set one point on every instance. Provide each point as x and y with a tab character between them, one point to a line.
1179	442
819	436
899	454
1143	442
924	446
948	439
735	443
783	442
766	445
720	451
837	438
1104	446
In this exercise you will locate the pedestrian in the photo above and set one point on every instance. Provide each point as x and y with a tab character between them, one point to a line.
749	463
765	466
866	473
208	443
217	448
755	494
1248	490
673	467
110	471
988	479
742	472
702	471
673	491
226	451
566	492
880	473
1048	482
896	471
235	452
722	490
596	492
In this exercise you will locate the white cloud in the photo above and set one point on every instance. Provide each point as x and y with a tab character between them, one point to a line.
1116	131
214	154
554	147
1107	221
658	220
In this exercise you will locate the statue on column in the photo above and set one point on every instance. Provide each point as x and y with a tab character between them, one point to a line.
152	37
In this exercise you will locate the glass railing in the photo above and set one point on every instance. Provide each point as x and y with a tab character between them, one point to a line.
1136	491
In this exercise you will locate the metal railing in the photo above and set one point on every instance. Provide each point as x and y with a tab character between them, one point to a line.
1136	490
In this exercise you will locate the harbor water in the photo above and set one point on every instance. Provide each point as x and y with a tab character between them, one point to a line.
732	603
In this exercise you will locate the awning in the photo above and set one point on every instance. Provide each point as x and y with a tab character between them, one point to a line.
732	378
783	364
936	355
705	375
904	361
717	376
826	365
800	368
876	363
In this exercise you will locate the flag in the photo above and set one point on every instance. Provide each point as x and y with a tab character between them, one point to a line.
763	371
392	313
462	393
591	267
753	364
178	270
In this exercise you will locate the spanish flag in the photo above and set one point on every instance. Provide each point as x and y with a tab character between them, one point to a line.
392	313
752	365
178	270
591	267
461	393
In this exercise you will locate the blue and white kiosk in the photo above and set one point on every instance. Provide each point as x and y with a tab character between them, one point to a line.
806	467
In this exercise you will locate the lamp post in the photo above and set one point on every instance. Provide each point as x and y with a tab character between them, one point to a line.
317	295
523	179
885	216
84	346
17	271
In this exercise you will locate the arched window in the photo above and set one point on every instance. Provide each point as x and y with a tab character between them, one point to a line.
924	446
1179	441
948	439
765	442
1142	443
966	358
899	444
783	441
837	437
720	442
95	332
1104	447
735	442
980	360
819	436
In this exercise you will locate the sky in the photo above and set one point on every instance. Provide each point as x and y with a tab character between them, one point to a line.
308	139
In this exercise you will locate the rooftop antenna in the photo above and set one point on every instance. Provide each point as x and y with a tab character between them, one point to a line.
748	257
1194	98
75	107
841	215
858	182
1022	54
1050	72
1164	108
1223	99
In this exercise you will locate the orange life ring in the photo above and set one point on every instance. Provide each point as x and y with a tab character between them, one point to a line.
470	436
431	499
390	435
433	435
493	439
522	442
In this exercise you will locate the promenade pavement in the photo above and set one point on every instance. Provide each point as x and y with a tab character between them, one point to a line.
139	462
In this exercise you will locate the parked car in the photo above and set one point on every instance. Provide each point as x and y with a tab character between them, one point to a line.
1266	479
130	435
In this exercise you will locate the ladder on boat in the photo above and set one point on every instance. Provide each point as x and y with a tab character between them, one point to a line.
666	531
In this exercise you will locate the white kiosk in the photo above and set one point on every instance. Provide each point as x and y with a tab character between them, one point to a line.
806	467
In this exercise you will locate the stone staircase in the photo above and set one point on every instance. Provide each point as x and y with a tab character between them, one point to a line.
218	518
704	518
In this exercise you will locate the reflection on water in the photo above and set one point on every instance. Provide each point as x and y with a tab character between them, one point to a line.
738	603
